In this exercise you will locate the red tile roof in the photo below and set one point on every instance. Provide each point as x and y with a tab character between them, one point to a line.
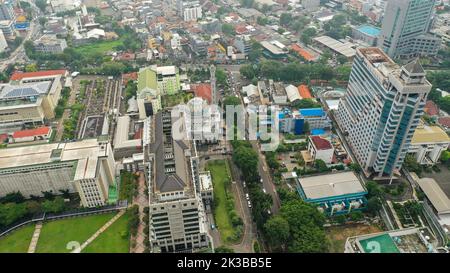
129	77
445	121
304	92
321	143
17	76
431	108
240	29
300	51
203	90
32	132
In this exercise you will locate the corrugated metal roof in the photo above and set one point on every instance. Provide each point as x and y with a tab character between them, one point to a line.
435	194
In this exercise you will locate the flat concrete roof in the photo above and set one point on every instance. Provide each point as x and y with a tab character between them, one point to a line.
430	134
435	194
86	152
338	46
329	185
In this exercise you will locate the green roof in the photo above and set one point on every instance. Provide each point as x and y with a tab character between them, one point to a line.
112	194
379	244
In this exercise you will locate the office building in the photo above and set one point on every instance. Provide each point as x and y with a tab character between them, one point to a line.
177	216
3	43
428	143
6	11
50	44
405	29
29	100
86	167
334	194
381	110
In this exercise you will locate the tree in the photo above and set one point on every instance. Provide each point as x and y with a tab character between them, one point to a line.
320	165
228	29
55	206
41	4
307	35
306	103
13	197
11	212
373	204
223	249
445	156
306	127
277	231
307	234
231	100
285	19
31	67
42	21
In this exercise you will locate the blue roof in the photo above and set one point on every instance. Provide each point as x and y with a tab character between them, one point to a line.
369	30
312	112
317	132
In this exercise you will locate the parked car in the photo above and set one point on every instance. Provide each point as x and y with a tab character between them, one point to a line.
264	190
247	196
249	204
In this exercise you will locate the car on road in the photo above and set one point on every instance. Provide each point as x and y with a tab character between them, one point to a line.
264	190
249	204
269	212
247	196
261	180
243	184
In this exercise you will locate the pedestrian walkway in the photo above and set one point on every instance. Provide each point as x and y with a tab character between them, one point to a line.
100	231
142	201
35	238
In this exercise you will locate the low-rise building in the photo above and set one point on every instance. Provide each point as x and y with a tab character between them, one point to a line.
320	148
335	193
30	100
29	135
206	187
316	117
428	143
49	44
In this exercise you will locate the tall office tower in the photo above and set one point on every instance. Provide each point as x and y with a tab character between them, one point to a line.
3	44
6	11
381	110
405	29
177	217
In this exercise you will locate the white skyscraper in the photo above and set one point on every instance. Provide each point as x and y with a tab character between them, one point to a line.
405	28
381	110
3	44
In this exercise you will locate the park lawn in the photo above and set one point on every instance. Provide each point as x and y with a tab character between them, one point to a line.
220	173
55	235
115	239
338	235
99	47
17	241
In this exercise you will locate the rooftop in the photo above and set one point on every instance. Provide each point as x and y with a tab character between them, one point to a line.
17	76
384	241
331	185
429	134
370	30
435	194
345	49
312	112
304	92
34	89
320	143
32	132
83	153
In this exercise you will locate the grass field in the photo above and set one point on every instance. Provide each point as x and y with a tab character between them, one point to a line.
56	234
220	173
115	239
98	47
17	241
338	235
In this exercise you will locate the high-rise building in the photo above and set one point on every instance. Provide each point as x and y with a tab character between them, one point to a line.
381	110
177	217
405	29
6	11
3	43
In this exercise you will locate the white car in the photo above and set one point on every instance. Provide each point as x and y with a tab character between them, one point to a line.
261	180
269	212
247	196
243	184
249	204
264	190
